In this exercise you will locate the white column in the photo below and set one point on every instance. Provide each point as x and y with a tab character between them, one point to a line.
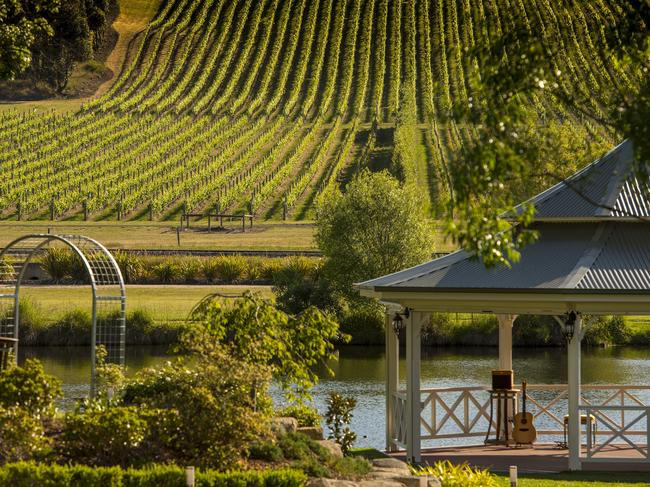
505	341
413	408
392	380
574	396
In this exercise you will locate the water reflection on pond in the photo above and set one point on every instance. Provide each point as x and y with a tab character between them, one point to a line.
360	373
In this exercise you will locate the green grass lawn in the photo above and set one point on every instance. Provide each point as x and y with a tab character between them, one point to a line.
165	303
162	235
582	479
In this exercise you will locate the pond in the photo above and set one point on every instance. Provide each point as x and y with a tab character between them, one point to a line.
360	373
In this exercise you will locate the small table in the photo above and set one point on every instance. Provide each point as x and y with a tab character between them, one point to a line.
503	399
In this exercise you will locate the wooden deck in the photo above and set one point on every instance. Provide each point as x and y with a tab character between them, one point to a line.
541	458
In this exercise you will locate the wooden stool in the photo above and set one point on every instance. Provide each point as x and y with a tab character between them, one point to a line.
583	421
506	400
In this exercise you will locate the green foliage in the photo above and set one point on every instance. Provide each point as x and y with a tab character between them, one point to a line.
338	418
304	414
607	330
27	396
166	271
62	264
29	474
190	270
23	435
301	284
364	322
21	23
215	415
231	268
124	436
29	388
376	227
253	330
130	265
265	450
463	475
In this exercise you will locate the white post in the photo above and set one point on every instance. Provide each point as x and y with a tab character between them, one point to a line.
392	380
413	400
505	341
573	374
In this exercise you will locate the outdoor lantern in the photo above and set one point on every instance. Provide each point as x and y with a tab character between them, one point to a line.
398	321
570	325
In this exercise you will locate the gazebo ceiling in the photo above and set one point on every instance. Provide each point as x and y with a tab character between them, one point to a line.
589	258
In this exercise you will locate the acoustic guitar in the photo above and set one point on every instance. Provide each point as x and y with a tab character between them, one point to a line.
524	432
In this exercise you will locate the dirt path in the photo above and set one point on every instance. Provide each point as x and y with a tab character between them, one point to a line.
133	17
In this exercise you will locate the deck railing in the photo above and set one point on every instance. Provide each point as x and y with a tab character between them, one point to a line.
451	415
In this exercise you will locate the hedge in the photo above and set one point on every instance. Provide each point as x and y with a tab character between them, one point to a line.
28	474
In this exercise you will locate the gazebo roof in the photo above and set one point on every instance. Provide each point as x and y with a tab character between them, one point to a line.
605	189
583	250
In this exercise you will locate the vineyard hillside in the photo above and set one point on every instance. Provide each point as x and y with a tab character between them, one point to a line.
263	105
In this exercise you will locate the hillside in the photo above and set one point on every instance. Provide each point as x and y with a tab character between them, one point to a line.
263	105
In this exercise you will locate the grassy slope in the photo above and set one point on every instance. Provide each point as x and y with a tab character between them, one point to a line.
165	303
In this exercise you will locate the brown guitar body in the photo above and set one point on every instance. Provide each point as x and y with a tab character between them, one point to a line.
524	432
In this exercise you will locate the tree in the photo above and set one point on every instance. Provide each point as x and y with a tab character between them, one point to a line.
255	332
21	23
54	57
513	68
376	227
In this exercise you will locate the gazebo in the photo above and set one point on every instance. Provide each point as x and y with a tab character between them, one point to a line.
592	258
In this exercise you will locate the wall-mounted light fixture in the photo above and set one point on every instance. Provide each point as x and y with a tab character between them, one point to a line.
569	325
398	321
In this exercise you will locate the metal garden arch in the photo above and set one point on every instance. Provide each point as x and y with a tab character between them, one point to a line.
104	275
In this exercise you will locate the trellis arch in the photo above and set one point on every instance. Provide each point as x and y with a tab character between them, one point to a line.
104	275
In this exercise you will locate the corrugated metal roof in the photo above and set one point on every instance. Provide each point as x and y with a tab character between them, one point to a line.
592	192
623	262
596	256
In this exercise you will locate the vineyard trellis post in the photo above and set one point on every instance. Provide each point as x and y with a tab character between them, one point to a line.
104	276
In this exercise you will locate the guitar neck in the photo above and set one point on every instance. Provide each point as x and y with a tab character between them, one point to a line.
523	397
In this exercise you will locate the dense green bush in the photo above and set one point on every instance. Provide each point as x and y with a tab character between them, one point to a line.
131	266
30	474
62	264
27	396
607	330
124	436
217	414
231	269
305	415
29	388
166	272
364	322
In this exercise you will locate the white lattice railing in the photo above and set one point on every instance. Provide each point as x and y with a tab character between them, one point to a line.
618	429
463	412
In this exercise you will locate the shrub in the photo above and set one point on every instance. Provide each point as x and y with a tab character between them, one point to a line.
25	474
339	417
73	328
166	271
451	475
255	269
265	450
29	388
23	435
352	467
607	330
305	415
190	269
210	269
296	446
113	435
130	265
231	268
270	268
213	400
61	264
364	322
